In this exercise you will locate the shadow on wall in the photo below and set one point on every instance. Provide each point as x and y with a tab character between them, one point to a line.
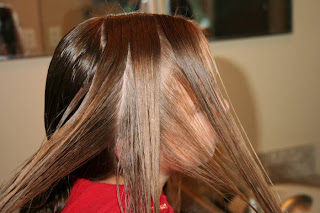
241	96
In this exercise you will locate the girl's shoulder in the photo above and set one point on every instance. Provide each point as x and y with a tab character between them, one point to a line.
89	196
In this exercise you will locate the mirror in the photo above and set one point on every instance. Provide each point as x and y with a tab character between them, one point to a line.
34	27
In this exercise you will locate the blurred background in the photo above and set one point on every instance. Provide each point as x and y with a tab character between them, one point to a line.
267	52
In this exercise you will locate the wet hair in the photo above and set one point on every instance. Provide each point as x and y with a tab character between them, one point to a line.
127	85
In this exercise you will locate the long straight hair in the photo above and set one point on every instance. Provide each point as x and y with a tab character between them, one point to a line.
120	85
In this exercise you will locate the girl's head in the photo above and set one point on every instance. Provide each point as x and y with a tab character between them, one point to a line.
135	95
150	86
139	86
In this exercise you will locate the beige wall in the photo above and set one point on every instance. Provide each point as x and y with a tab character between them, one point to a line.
273	82
22	85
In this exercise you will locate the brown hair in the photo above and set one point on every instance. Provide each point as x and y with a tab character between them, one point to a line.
127	78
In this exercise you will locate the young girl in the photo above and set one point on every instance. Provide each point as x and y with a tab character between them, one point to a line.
131	102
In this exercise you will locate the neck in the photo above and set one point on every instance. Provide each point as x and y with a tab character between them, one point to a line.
113	180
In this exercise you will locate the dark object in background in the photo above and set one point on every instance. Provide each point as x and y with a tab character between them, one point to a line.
181	7
241	18
10	43
224	19
233	18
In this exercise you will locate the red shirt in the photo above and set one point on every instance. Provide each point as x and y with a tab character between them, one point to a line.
93	197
